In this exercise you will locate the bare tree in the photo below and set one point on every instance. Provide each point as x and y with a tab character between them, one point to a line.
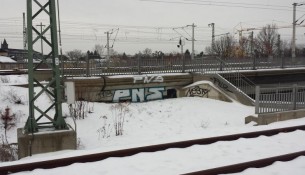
243	49
147	52
75	54
99	49
223	47
266	40
158	54
112	52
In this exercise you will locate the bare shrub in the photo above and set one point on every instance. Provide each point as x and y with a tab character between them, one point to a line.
8	152
119	111
13	97
106	129
90	108
4	79
80	109
8	121
79	144
204	124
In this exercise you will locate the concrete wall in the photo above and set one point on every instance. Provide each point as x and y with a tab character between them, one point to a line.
105	88
202	89
265	119
226	88
114	88
139	88
43	75
43	142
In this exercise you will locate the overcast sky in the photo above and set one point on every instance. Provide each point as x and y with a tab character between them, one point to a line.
149	23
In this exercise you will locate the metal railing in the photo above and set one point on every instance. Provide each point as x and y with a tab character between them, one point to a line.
142	65
229	72
279	99
14	66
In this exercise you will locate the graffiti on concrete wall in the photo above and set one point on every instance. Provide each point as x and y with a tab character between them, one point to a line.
105	94
197	91
220	84
139	94
148	79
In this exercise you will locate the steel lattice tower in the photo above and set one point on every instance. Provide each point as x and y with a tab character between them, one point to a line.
34	35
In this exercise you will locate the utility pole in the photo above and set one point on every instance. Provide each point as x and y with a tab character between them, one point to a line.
193	41
240	36
41	41
294	23
108	40
252	43
181	43
293	32
213	36
24	34
279	45
251	49
107	45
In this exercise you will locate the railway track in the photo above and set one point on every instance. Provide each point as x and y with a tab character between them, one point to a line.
236	168
12	72
153	148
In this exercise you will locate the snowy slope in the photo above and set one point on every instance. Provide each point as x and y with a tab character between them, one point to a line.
153	123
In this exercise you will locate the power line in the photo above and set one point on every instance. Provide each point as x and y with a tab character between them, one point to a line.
210	3
238	3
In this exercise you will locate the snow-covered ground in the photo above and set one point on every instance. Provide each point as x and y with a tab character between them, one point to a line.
160	122
4	59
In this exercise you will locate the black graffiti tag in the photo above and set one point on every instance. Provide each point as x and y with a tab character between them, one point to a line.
197	92
221	84
105	94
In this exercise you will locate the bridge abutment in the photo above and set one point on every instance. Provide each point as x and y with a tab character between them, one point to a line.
45	141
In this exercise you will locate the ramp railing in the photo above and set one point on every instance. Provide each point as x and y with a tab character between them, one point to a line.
236	78
277	99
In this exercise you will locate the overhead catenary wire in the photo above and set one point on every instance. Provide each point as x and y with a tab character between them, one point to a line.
238	3
214	3
137	34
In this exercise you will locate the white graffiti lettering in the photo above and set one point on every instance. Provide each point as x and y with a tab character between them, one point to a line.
139	95
148	79
155	93
120	94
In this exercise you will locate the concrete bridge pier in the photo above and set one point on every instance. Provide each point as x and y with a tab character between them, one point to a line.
45	141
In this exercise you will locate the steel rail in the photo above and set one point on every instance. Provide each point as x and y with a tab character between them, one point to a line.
132	151
236	168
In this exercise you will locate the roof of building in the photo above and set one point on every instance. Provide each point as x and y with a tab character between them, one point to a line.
4	59
2	50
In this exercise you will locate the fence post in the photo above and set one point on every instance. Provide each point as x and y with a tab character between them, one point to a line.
202	65
62	66
183	64
282	62
254	63
139	65
257	94
162	63
294	97
221	64
87	65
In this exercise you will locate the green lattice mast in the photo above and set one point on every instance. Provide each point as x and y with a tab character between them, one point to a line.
57	121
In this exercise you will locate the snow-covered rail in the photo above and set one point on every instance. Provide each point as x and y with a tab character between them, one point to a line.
236	168
152	148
